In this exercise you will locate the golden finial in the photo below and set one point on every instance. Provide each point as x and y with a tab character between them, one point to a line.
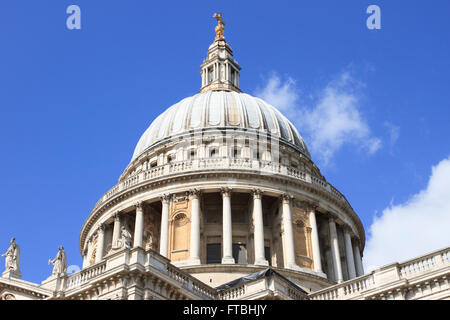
220	28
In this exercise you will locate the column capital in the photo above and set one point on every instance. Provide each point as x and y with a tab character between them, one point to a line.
116	215
306	205
225	191
101	228
194	193
166	198
347	229
139	205
331	216
286	198
357	242
257	193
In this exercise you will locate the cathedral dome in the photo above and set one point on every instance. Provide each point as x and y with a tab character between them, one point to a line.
222	185
220	109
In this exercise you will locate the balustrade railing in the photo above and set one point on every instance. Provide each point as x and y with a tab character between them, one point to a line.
406	270
201	289
216	163
77	280
423	264
81	277
232	293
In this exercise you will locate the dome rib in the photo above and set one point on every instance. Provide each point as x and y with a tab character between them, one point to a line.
219	108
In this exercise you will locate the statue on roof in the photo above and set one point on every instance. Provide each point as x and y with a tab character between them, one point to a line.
12	257
220	28
59	263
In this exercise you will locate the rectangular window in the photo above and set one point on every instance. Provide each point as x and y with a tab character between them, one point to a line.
210	74
267	255
239	253
213	253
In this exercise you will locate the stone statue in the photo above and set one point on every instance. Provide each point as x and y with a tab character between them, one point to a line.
220	28
12	257
125	238
59	263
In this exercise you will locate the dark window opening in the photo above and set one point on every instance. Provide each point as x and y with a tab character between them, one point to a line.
214	153
239	253
211	75
267	255
213	253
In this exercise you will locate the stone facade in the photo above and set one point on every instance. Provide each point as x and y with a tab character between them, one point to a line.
220	186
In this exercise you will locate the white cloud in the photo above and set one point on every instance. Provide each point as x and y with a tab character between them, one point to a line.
283	96
330	121
418	226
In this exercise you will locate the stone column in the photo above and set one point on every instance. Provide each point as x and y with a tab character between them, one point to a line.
358	260
258	227
100	243
315	240
139	225
227	233
335	251
227	76
349	254
85	259
164	241
194	248
288	234
116	230
329	260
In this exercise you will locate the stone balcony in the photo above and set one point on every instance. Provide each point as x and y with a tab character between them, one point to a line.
422	277
112	278
125	273
226	164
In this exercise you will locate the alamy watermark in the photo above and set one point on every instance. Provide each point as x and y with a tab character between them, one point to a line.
74	20
374	20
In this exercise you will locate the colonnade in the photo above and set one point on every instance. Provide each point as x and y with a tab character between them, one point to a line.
352	251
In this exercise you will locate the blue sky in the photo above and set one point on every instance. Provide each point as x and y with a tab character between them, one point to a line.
75	102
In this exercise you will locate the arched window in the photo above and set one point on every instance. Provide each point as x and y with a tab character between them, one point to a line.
171	158
214	153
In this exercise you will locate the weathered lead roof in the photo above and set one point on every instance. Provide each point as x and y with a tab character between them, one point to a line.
219	109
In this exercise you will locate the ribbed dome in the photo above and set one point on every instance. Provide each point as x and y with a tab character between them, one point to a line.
219	109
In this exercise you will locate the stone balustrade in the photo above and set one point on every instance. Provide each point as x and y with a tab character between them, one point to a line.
423	264
235	164
203	290
259	288
114	263
235	293
81	277
402	273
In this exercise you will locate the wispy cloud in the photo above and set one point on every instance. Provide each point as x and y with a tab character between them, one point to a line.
332	119
393	133
410	229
